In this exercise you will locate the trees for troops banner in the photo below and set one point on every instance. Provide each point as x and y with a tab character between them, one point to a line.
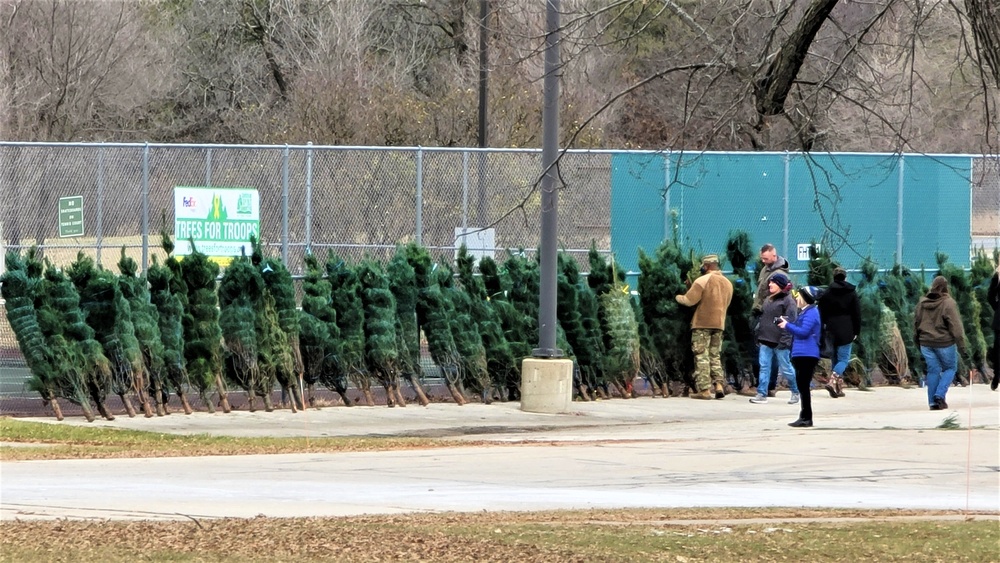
219	220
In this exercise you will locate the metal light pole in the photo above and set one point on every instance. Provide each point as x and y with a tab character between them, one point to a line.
484	14
550	197
546	377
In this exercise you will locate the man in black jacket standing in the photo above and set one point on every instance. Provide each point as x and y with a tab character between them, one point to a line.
840	309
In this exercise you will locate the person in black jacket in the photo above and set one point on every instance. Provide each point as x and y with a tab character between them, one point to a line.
840	309
993	298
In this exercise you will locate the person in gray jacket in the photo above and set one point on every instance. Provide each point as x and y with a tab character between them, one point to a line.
939	333
776	344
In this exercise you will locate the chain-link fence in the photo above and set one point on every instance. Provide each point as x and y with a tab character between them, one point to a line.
360	201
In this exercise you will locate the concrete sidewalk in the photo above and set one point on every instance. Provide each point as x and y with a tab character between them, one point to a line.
871	449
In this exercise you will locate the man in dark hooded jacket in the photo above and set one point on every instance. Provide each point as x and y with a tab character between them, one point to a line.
993	298
840	309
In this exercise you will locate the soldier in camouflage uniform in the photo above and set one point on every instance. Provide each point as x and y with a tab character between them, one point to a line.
710	294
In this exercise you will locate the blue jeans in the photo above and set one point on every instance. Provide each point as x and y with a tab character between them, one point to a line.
941	366
765	356
842	356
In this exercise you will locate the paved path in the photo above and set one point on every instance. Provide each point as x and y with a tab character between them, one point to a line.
877	449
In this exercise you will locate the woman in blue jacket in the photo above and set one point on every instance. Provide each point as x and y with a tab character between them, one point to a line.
805	331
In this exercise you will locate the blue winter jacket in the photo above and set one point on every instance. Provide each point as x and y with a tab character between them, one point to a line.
805	332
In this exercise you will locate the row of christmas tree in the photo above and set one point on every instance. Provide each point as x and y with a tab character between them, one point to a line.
86	332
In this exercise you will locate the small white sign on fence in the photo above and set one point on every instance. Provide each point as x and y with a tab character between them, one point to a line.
480	242
802	250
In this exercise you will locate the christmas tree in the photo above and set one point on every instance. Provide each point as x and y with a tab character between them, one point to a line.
660	280
346	300
108	313
45	358
319	335
285	357
501	365
587	346
403	284
202	334
170	314
381	353
145	319
465	333
432	317
241	291
738	349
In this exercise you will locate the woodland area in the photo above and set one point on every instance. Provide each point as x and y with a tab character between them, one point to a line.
837	75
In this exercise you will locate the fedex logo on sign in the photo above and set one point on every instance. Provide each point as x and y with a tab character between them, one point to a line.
188	202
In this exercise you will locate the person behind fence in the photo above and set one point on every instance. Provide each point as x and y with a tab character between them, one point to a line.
772	264
805	331
840	309
710	294
939	334
993	298
775	344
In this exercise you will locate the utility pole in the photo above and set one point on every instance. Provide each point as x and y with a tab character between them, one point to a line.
547	377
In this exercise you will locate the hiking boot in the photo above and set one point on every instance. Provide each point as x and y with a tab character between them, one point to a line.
801	423
794	400
706	394
759	399
720	391
747	392
935	406
941	405
839	386
831	388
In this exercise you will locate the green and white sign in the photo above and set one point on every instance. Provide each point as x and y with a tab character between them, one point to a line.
71	216
219	220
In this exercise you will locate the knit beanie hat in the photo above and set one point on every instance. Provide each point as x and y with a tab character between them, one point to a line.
809	294
782	281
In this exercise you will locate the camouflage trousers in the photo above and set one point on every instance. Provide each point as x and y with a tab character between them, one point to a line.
706	343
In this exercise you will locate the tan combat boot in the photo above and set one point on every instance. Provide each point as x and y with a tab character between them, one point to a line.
706	394
720	391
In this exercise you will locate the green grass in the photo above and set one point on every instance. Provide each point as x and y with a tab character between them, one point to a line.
39	440
624	535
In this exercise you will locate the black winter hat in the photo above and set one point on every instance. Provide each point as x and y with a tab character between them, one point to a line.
810	294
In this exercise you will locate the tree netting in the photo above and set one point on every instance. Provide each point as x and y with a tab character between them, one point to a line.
432	317
202	334
501	365
170	311
241	291
346	300
403	284
135	289
320	335
381	351
108	313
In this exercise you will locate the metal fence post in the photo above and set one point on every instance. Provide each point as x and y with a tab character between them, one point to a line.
145	207
899	210
99	234
667	234
420	195
465	191
309	186
784	228
284	205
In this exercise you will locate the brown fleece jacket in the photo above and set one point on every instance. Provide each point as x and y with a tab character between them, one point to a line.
711	293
